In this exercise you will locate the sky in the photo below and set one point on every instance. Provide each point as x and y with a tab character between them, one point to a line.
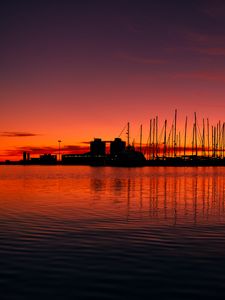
78	70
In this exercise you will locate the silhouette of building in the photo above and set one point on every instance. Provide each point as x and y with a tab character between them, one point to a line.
117	146
97	147
26	156
48	159
77	159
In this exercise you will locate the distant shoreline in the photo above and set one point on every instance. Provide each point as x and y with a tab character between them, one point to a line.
173	162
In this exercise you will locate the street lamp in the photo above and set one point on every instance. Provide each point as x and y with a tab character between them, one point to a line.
59	141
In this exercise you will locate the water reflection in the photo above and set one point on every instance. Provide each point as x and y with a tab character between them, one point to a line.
157	195
196	197
86	232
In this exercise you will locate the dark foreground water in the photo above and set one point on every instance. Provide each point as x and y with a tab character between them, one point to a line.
112	233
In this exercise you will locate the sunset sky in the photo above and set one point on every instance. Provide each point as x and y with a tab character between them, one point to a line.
75	70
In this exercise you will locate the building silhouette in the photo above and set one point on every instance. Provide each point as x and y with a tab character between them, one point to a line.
97	147
117	146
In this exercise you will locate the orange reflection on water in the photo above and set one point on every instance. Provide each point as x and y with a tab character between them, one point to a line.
129	197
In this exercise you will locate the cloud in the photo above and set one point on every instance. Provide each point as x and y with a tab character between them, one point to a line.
36	151
17	134
75	148
140	60
197	39
203	51
202	75
217	51
49	149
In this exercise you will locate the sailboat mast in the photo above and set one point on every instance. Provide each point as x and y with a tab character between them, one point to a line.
203	137
150	138
223	141
156	138
193	138
141	138
175	132
128	133
153	138
196	137
208	135
164	150
185	137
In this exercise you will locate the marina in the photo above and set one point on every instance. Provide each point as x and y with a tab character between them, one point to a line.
195	145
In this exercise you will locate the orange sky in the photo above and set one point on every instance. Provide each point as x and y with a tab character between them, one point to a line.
78	71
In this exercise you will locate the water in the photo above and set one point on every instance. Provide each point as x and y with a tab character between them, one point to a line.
112	233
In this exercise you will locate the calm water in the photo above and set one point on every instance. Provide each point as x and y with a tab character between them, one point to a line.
112	233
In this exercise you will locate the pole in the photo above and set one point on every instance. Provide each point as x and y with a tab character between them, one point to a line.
59	141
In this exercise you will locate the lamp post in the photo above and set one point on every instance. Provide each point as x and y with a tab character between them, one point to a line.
59	141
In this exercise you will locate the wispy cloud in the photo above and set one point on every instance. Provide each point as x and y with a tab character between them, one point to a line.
200	49
197	40
35	151
49	149
140	59
17	134
214	51
75	148
202	75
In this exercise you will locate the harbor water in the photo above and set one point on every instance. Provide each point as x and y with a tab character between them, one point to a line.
80	232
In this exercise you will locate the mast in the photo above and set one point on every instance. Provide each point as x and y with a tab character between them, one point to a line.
193	138
203	137
156	138
185	136
150	138
153	138
175	132
223	141
217	138
164	150
179	143
128	134
208	135
215	141
141	138
172	141
220	148
196	137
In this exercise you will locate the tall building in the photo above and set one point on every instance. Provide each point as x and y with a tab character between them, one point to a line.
97	147
117	146
24	156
